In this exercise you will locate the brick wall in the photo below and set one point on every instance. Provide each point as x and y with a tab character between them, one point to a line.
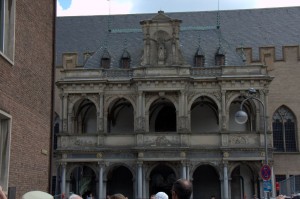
25	93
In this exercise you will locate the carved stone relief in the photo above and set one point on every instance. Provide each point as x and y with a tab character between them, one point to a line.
238	140
161	141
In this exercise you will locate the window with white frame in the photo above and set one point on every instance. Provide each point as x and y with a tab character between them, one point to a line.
7	28
5	132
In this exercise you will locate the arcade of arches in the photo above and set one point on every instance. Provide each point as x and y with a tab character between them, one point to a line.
154	167
207	179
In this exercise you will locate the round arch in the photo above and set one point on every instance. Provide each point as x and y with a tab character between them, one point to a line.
113	99
204	114
82	179
120	115
216	167
78	99
84	114
161	178
151	100
120	179
212	97
206	182
114	165
155	165
244	180
162	116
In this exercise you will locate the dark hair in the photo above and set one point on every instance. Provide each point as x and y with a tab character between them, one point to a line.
183	188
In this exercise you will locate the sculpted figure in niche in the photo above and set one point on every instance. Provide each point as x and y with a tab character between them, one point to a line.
161	51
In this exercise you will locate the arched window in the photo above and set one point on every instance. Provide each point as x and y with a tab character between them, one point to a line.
284	130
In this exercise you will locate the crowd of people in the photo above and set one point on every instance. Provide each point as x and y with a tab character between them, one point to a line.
182	189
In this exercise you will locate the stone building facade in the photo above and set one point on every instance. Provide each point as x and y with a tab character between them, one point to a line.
26	87
146	99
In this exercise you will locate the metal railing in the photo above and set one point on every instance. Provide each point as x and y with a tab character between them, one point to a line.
290	186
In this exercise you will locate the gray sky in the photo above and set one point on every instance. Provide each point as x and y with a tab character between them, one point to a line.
105	7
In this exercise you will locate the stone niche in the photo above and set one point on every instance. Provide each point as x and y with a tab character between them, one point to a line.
161	41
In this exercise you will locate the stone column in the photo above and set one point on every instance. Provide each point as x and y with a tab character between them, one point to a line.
139	117
64	110
104	188
222	119
182	113
100	184
183	169
144	184
181	103
187	171
100	115
225	183
140	103
140	180
63	177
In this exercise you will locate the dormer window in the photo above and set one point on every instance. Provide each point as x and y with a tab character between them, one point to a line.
105	63
105	60
220	56
125	60
199	60
125	63
220	59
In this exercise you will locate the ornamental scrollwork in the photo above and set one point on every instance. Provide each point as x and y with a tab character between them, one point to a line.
238	140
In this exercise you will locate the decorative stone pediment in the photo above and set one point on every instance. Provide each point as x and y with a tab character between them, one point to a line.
161	17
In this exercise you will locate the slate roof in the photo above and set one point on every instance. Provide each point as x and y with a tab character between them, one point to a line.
239	28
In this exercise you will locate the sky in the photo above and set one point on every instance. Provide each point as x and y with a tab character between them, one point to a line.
106	7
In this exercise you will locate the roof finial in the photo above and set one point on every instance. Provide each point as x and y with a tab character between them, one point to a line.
108	7
125	44
218	15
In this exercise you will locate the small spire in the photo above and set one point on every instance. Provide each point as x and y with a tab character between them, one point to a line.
200	50
218	16
125	43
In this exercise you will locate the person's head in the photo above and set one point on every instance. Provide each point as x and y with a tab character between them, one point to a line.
2	194
212	197
74	196
117	196
182	189
161	195
152	196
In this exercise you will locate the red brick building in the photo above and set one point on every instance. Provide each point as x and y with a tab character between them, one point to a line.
26	89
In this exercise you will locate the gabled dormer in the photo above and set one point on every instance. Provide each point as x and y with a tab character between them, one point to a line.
161	41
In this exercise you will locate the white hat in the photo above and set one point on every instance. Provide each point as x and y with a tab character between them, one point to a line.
37	195
161	195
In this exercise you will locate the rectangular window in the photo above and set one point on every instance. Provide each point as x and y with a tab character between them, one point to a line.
5	132
7	28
